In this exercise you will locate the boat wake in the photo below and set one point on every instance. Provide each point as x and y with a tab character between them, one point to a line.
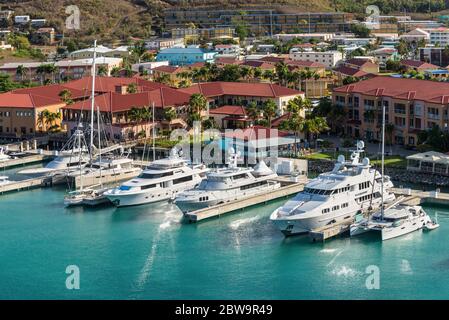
240	222
344	271
328	250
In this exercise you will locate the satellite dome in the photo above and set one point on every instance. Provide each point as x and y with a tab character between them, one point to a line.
341	158
365	161
261	169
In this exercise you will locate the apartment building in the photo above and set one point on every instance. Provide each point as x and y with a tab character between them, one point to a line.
411	106
204	33
64	69
437	56
260	21
328	58
439	36
184	56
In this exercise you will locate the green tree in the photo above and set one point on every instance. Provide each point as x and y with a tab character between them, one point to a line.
132	88
170	115
269	110
66	96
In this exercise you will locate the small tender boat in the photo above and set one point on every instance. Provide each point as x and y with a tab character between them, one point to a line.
88	197
431	225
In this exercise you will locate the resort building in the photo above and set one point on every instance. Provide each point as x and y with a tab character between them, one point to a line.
242	93
63	70
260	21
203	33
412	106
417	65
439	36
164	43
328	58
183	56
101	51
21	110
416	35
438	56
115	110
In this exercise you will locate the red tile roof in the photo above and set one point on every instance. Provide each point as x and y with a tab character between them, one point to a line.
400	88
53	91
266	90
360	62
108	84
226	60
418	64
26	100
347	71
116	102
302	63
259	64
168	69
229	110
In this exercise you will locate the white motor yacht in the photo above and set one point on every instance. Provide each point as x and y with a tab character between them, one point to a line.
393	222
351	187
3	155
162	180
228	184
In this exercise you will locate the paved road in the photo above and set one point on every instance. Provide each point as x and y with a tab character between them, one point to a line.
372	148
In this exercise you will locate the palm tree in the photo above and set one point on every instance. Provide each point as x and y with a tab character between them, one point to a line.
269	111
282	72
51	118
269	74
294	106
257	73
42	119
245	72
314	126
253	111
21	71
135	115
296	124
102	71
197	104
66	96
164	78
132	88
170	115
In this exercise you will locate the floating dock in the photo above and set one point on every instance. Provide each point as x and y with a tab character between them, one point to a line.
416	197
26	160
26	184
288	188
327	232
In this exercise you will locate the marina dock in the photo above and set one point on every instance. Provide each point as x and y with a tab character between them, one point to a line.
26	184
26	160
327	232
417	197
288	188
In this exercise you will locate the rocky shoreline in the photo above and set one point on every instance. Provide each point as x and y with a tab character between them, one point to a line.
396	174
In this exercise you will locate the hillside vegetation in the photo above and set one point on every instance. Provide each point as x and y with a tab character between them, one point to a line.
122	20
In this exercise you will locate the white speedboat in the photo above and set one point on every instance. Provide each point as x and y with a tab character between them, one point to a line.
73	155
350	188
4	180
3	155
393	222
228	184
161	181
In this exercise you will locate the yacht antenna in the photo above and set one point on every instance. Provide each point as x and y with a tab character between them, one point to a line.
92	111
382	162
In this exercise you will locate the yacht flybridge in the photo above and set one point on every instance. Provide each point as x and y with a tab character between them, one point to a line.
162	180
350	188
228	184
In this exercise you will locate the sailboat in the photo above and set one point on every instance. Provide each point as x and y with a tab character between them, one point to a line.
89	196
397	219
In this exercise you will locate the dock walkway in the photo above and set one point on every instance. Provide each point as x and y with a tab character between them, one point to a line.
288	188
26	184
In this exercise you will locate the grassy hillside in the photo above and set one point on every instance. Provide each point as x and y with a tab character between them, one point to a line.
121	20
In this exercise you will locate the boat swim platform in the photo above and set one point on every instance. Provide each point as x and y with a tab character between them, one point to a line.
288	187
26	160
26	184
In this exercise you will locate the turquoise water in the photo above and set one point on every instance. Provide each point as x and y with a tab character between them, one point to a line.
147	252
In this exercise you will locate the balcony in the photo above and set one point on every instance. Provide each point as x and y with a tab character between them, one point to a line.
433	116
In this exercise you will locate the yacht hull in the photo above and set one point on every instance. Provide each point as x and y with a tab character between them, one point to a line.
151	196
301	225
403	229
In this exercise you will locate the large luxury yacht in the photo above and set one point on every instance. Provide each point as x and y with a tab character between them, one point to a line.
161	180
228	184
351	187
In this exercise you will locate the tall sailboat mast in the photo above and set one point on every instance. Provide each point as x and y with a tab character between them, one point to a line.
92	108
383	161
